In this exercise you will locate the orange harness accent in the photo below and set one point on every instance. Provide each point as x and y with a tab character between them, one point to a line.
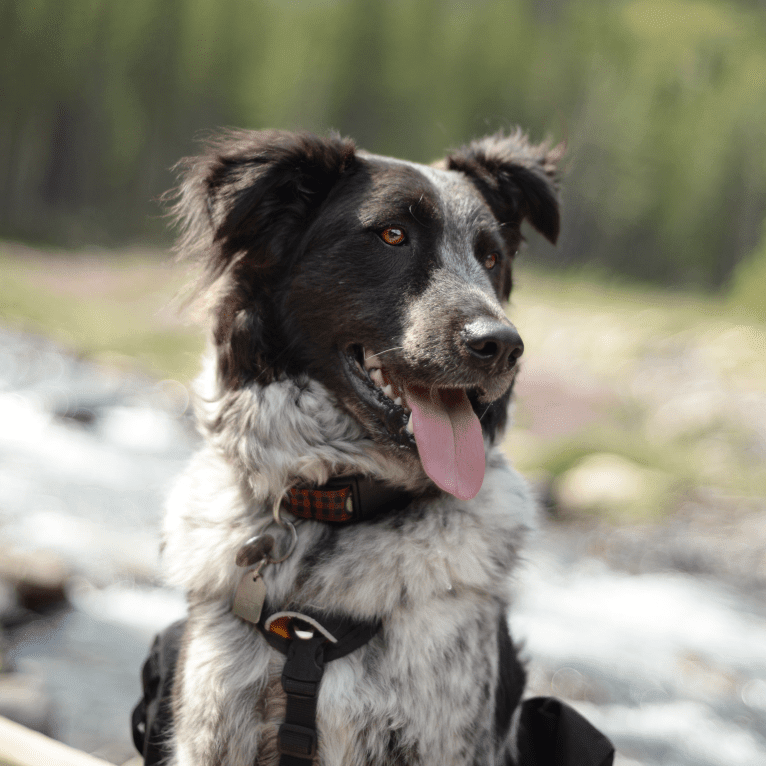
281	626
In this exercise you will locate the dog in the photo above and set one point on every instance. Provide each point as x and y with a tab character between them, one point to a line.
358	342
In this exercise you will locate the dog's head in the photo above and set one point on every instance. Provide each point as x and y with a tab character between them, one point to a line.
381	279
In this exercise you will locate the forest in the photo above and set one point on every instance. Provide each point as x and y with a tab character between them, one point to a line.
662	105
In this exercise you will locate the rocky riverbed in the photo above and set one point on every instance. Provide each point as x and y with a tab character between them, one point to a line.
672	665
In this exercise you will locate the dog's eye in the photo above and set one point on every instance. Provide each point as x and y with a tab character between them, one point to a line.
393	235
490	261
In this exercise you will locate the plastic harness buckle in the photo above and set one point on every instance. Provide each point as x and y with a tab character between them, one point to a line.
301	675
297	741
304	666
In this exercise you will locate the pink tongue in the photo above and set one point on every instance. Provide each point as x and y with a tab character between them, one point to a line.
449	439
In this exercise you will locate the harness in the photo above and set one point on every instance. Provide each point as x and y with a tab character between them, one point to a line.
551	733
308	644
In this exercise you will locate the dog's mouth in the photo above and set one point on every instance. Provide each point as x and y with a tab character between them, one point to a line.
384	395
438	421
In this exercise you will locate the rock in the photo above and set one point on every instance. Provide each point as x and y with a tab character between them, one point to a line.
38	577
613	486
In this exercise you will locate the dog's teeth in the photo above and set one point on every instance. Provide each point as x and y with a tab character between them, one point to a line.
398	400
372	362
377	377
409	426
388	391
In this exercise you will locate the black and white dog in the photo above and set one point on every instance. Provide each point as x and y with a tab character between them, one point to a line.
359	374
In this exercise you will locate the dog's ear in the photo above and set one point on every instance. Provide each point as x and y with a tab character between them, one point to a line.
518	180
243	206
253	192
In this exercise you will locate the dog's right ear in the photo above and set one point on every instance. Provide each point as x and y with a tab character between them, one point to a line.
253	193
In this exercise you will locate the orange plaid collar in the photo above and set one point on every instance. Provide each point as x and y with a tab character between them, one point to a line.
346	499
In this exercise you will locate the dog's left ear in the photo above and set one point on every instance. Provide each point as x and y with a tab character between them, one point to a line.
518	180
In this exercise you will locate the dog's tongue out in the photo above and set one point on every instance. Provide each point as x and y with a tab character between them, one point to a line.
449	439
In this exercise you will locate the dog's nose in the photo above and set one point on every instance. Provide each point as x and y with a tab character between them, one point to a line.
497	344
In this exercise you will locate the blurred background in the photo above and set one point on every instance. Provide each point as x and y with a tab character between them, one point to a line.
641	408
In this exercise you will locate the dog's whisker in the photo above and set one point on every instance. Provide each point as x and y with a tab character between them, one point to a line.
378	353
414	215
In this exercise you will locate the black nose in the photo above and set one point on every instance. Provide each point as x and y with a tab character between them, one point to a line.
497	344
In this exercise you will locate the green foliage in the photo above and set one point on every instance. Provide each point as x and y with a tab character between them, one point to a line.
748	289
661	102
675	172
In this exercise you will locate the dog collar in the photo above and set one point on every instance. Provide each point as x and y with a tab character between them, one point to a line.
346	499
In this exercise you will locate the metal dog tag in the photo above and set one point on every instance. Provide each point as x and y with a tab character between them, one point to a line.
250	595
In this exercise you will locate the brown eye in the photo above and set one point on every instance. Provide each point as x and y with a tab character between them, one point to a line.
490	261
393	235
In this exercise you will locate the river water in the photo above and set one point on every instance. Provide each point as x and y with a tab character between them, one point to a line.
672	667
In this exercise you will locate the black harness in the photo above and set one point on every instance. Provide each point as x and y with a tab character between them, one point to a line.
307	645
550	732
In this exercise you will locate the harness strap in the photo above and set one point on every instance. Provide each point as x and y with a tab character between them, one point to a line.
308	641
301	675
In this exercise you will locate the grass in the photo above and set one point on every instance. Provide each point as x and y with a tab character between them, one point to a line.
112	307
677	382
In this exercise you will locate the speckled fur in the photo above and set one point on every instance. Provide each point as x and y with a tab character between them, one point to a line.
438	575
